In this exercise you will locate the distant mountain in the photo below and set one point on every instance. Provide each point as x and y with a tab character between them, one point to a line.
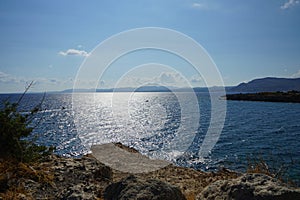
77	90
269	84
149	89
126	89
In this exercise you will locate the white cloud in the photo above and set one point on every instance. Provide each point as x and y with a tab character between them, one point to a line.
7	78
167	77
296	75
198	6
170	78
164	78
3	75
74	52
196	79
11	83
289	4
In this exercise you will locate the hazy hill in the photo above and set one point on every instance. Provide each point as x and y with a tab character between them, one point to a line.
269	84
149	89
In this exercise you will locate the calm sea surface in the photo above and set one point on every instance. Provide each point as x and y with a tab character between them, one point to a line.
150	120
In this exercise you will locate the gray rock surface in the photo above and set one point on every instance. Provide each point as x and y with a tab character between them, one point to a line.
249	187
136	188
82	178
124	160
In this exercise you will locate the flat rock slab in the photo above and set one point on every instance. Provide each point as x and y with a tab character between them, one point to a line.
122	160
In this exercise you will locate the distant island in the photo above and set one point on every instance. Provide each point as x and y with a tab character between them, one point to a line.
268	84
267	89
290	97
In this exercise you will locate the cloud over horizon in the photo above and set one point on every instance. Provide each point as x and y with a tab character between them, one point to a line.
165	78
3	75
296	75
7	78
289	4
40	84
74	52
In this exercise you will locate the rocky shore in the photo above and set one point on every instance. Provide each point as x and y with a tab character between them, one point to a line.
288	97
87	178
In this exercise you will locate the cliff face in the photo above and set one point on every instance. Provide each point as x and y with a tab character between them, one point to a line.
268	85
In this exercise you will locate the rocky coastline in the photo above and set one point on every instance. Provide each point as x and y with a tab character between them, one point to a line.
288	97
87	178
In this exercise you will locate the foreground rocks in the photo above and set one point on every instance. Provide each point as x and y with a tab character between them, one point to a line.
83	178
57	178
87	178
248	187
138	188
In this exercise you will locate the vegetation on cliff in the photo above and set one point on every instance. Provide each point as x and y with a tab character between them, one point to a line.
15	127
20	156
290	96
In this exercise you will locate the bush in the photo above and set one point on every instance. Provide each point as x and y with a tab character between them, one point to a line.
273	166
14	130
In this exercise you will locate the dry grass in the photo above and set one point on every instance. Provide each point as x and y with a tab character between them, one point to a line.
277	170
259	166
16	193
13	174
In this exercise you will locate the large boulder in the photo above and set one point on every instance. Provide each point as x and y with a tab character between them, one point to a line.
134	188
249	187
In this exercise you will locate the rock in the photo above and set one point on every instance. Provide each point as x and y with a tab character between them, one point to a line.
126	148
21	196
79	170
78	192
248	187
3	182
82	178
134	188
126	159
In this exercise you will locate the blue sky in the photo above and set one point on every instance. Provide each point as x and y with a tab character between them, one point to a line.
46	41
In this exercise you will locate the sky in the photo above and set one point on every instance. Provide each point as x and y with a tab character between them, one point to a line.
47	41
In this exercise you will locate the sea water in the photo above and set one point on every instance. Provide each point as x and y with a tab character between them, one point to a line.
148	121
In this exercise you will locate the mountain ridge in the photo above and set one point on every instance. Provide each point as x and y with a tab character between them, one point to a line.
149	89
268	84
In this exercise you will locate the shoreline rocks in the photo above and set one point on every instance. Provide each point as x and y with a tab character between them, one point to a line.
248	187
146	189
287	97
88	178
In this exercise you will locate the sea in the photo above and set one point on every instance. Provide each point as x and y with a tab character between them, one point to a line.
150	121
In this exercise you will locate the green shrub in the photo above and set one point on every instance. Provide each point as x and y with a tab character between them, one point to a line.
14	130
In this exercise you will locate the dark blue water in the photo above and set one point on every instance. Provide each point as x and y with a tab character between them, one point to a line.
251	129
